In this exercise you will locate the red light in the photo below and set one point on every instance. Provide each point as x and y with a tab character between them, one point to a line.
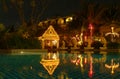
91	68
90	26
90	73
85	60
85	38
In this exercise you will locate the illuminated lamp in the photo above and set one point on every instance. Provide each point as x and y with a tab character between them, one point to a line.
90	26
40	24
46	22
54	42
69	19
53	21
60	21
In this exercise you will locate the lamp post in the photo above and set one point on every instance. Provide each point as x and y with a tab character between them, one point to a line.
91	33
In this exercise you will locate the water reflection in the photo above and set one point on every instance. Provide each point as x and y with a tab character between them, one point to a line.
78	60
79	65
91	67
50	62
112	66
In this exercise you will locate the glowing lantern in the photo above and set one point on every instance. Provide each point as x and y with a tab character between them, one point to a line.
69	19
90	26
54	42
60	21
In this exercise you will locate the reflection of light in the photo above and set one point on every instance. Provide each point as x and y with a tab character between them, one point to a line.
112	66
81	60
31	67
79	56
51	63
21	52
54	56
90	74
78	60
91	68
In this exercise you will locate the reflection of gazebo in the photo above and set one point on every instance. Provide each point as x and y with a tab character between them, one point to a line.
51	63
50	38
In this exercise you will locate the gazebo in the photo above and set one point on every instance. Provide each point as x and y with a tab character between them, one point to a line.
50	38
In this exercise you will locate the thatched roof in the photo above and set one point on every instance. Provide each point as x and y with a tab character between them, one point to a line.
50	34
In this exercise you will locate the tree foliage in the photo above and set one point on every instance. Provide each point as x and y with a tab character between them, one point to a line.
14	41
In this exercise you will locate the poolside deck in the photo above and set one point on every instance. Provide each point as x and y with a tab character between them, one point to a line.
37	51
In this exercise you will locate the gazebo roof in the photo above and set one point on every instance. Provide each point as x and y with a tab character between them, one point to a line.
50	34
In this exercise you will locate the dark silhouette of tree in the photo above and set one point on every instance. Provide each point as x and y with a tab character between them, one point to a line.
5	7
111	14
36	10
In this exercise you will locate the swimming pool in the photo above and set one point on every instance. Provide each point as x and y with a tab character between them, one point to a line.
60	65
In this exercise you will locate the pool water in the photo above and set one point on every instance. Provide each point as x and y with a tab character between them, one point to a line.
70	66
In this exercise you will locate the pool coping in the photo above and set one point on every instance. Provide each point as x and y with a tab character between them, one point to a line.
46	50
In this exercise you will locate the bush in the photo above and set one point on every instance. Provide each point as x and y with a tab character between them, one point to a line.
113	45
96	44
18	42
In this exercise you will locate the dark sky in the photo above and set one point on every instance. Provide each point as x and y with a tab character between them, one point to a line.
10	16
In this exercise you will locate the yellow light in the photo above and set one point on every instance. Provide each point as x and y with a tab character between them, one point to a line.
112	66
60	21
54	56
54	42
69	19
21	52
40	24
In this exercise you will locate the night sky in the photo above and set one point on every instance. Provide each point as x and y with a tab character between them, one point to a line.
9	15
